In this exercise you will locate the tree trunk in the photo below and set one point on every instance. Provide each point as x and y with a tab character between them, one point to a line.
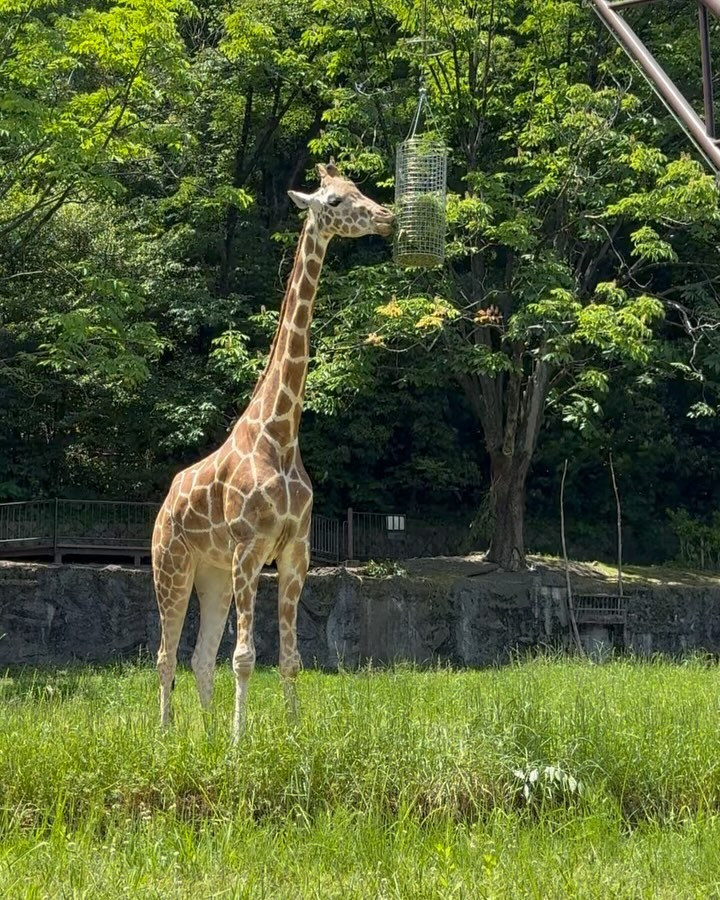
507	544
510	410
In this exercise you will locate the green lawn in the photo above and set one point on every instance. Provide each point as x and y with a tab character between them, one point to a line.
401	783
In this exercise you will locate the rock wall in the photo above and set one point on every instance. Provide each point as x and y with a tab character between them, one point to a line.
675	620
57	614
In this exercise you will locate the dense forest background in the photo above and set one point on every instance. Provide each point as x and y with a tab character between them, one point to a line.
146	147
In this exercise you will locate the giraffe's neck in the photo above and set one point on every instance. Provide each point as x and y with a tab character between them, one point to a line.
276	403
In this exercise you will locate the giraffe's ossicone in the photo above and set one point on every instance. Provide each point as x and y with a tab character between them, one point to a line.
249	503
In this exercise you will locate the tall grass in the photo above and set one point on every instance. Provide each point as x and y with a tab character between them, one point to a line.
544	778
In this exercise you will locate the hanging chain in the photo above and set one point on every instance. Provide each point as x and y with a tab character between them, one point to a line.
418	112
424	39
423	98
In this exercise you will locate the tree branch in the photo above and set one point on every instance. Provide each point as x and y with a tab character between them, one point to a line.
533	407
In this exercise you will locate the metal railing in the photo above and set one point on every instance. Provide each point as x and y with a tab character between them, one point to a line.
97	527
88	523
600	608
395	536
325	539
28	524
65	526
367	535
94	527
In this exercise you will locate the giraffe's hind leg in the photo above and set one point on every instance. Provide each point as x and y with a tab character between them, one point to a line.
292	565
248	561
173	571
214	588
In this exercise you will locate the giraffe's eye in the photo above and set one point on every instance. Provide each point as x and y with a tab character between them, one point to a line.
335	201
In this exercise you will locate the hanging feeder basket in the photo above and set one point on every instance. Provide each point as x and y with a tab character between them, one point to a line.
420	199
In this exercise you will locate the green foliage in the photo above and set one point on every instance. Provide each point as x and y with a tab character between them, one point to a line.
699	542
83	93
383	568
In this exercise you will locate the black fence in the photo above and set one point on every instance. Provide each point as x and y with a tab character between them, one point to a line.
600	609
76	527
27	526
101	528
325	545
395	536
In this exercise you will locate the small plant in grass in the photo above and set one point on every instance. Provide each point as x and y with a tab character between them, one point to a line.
384	568
547	784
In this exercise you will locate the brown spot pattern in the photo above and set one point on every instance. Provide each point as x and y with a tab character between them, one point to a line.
250	501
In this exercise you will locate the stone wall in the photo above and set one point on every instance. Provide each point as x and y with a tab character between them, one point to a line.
57	614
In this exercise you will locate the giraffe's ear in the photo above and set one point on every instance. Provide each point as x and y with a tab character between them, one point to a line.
302	201
327	171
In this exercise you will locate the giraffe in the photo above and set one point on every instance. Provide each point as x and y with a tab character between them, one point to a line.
249	503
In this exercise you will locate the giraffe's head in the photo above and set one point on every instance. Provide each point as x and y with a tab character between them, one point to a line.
338	207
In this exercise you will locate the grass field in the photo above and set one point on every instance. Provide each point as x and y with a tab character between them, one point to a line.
547	778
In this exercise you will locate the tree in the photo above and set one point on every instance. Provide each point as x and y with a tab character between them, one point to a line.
84	113
567	217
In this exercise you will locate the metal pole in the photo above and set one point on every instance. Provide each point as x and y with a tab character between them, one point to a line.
705	54
56	557
621	4
659	81
713	6
350	548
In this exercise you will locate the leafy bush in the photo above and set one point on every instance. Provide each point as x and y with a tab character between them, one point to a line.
384	568
699	542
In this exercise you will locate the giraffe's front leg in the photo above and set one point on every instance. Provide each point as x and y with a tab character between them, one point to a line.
292	565
248	561
173	570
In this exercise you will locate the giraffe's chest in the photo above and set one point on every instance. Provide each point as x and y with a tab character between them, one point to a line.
269	501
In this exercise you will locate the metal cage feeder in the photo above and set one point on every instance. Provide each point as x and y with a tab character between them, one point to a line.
420	201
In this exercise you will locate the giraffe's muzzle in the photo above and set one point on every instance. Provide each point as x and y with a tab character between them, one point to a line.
384	221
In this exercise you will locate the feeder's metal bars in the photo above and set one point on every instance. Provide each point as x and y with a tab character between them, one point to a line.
420	179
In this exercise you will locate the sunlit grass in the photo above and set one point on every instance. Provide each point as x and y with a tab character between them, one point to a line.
545	778
447	569
664	575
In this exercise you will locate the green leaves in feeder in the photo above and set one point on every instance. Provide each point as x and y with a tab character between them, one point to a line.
420	197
